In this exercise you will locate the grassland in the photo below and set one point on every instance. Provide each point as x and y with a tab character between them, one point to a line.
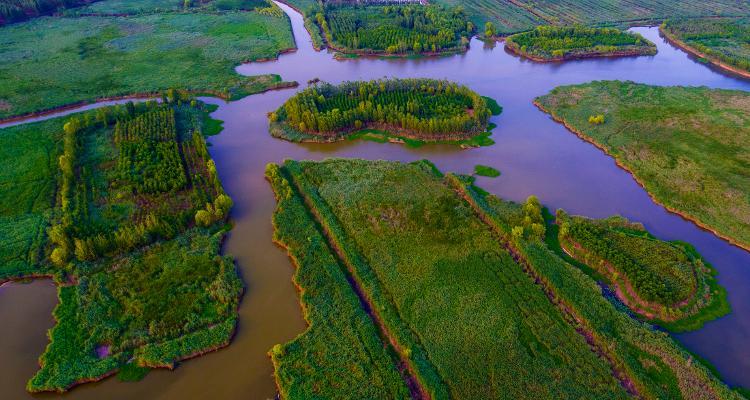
122	207
722	41
552	43
55	61
686	146
422	110
471	300
666	283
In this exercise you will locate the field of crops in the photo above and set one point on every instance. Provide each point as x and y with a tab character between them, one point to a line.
664	282
54	61
511	16
552	43
723	40
131	236
420	109
694	157
473	310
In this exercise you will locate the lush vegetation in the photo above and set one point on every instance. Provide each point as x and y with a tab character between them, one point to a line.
687	146
19	10
550	43
722	40
423	109
484	170
451	274
661	281
126	213
54	61
523	15
394	29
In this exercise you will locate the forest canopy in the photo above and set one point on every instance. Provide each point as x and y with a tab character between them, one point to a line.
420	108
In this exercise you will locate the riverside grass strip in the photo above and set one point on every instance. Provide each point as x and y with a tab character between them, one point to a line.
687	146
447	280
140	279
51	62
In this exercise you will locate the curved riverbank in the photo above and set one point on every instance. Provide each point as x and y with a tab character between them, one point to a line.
620	164
674	41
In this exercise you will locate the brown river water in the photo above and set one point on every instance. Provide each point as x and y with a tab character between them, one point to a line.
535	154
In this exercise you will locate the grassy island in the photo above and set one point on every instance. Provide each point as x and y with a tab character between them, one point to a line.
51	62
667	283
420	110
721	41
558	43
123	208
687	146
415	282
394	29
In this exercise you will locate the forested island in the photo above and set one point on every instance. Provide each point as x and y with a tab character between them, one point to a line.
122	207
687	146
421	110
401	268
559	43
394	29
720	41
666	283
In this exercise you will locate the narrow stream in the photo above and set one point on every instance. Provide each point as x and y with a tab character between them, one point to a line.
535	154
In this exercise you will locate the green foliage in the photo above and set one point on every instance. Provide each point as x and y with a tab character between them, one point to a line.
658	280
422	109
394	29
484	170
333	354
725	40
557	43
693	158
132	373
50	62
19	10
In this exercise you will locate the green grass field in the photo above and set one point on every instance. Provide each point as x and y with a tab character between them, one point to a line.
54	61
722	40
123	208
687	146
450	273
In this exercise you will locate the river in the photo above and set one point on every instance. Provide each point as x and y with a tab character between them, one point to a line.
535	154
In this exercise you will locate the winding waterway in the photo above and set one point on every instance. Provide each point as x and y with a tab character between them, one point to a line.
535	154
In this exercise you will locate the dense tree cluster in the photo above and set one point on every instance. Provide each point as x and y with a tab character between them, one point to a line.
725	39
420	106
395	28
559	41
149	155
19	10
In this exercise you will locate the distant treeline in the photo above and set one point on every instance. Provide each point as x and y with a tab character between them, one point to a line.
19	10
556	42
725	39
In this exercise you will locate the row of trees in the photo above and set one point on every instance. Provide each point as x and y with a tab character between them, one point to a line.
556	41
396	28
725	39
421	106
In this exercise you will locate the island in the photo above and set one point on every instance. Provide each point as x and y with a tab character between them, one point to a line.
122	207
687	146
414	111
719	41
560	43
666	283
393	29
401	267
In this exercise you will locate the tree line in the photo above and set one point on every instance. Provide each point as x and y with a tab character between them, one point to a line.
421	106
395	28
556	41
